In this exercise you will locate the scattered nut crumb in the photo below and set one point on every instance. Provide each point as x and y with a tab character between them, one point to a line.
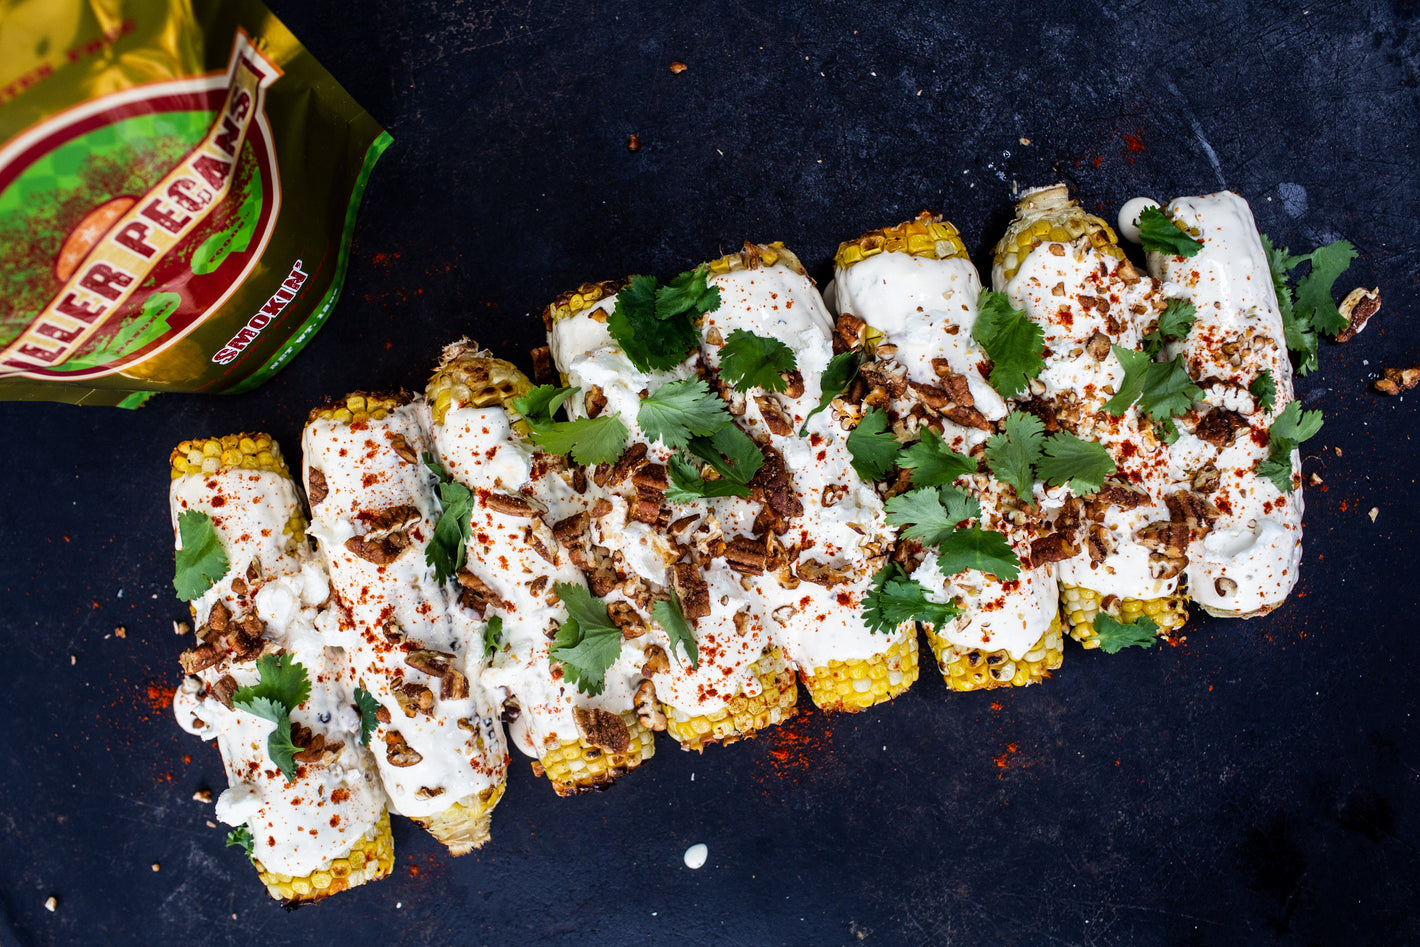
1375	511
211	824
181	628
1025	141
50	903
1396	380
156	866
633	143
678	67
202	795
1315	480
73	660
1338	451
1357	308
120	632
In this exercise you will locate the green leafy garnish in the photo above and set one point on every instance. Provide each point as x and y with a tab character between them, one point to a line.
894	598
492	635
598	440
538	405
282	687
655	324
1288	431
1168	391
1013	453
1136	364
1159	234
447	547
242	838
752	361
367	705
1015	345
873	450
1264	389
733	453
839	374
984	550
933	463
201	562
1174	324
1115	635
668	615
1068	459
930	514
1312	308
680	410
686	484
588	642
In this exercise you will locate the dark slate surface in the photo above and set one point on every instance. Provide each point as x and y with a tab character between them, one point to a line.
1257	783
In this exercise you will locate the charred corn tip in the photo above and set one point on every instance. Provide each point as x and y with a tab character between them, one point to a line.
369	859
575	767
743	715
463	826
359	406
850	686
927	235
469	377
757	256
1048	215
971	669
1080	605
583	297
209	455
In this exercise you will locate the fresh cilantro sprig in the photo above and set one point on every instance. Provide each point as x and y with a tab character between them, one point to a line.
1288	431
753	361
1164	390
282	687
873	450
686	483
1311	309
447	548
655	324
588	642
984	550
1013	453
668	614
1115	635
895	598
598	440
369	708
1264	389
1015	345
839	374
1175	322
933	463
241	837
492	636
201	562
1082	464
1159	234
676	412
934	517
1021	454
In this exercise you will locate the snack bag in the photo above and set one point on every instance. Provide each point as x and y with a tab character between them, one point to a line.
178	188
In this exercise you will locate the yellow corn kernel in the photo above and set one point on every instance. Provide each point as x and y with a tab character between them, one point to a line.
969	669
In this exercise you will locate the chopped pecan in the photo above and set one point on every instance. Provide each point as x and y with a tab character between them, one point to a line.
1395	380
223	690
568	531
680	525
931	395
1099	544
1358	307
476	595
390	520
1164	566
693	591
629	462
602	580
746	555
656	661
1224	586
877	375
398	752
433	663
1164	537
820	573
1220	426
219	616
848	332
648	709
1191	510
625	617
510	504
200	658
402	448
453	686
651	477
382	714
774	487
1121	496
543	372
967	417
579	480
1098	346
833	493
1206	479
774	417
426	793
793	383
381	551
1043	410
602	729
645	509
594	401
1126	273
534	536
414	699
600	508
392	632
316	487
1052	548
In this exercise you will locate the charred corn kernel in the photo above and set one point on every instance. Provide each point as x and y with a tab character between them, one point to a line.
574	767
211	455
359	407
463	826
369	859
927	235
583	297
472	377
1080	606
743	714
755	256
857	685
1048	215
970	669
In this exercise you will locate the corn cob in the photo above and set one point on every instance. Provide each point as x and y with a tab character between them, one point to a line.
242	482
737	687
1077	263
970	669
467	382
442	758
812	600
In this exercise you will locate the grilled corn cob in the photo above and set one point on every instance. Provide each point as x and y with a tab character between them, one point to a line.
439	745
326	829
517	493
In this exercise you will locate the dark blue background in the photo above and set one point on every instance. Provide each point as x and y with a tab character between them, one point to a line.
1256	784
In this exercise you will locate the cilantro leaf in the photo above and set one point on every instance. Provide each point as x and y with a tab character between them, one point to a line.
895	598
1288	431
1174	324
668	615
1136	366
264	707
367	705
655	324
677	411
1264	389
1083	464
492	633
588	642
930	514
1168	391
1013	453
686	484
282	750
839	374
690	290
752	361
598	440
242	838
1159	234
733	453
1015	345
1115	635
201	562
447	547
874	451
984	550
933	463
282	681
1314	305
537	407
